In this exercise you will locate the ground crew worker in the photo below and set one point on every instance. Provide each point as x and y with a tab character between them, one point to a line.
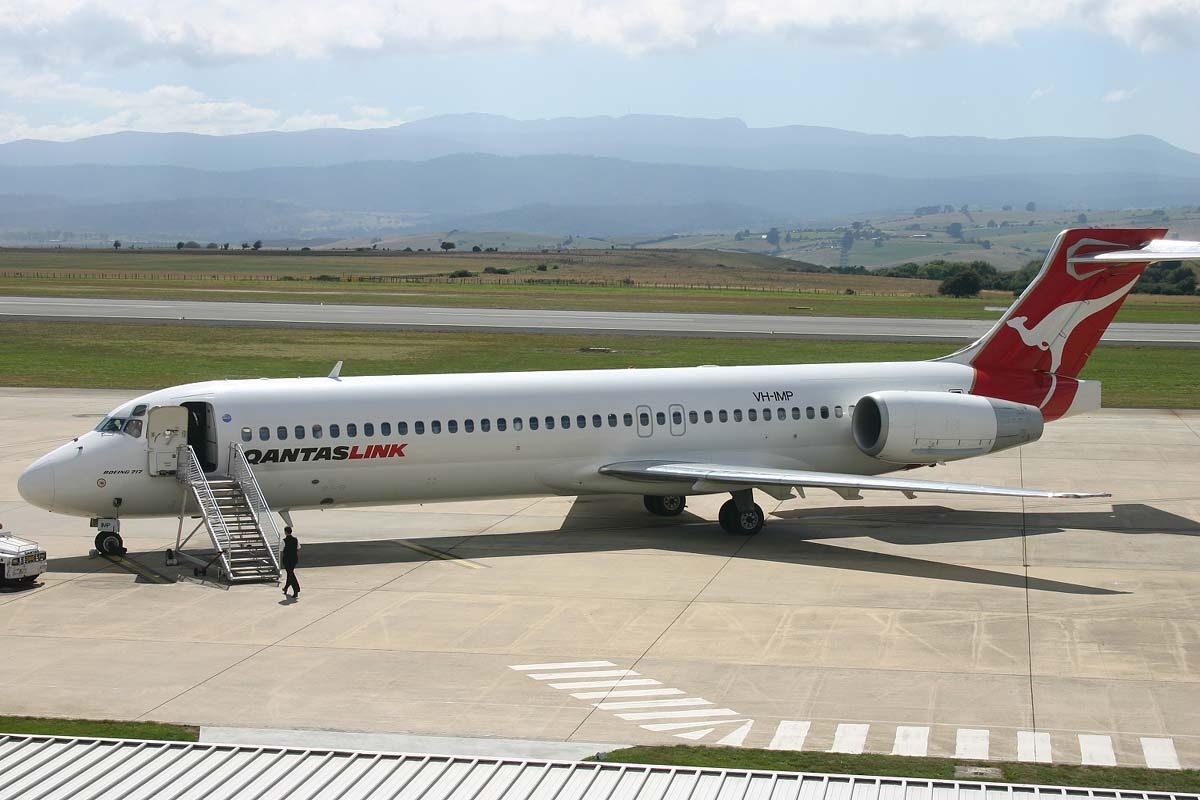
291	557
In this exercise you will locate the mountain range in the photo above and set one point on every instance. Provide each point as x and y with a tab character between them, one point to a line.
597	176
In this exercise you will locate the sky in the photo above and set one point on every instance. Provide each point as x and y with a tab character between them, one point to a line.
76	68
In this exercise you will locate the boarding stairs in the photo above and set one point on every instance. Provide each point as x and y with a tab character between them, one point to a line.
236	515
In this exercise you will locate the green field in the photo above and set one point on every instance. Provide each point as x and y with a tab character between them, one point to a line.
81	354
99	728
901	766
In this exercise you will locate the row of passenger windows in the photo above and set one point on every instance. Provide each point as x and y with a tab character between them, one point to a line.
565	422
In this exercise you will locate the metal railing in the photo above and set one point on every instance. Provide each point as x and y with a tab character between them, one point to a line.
191	473
240	472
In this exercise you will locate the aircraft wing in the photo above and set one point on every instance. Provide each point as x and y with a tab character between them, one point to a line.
721	477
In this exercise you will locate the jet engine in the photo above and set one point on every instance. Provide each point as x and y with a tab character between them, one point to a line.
928	427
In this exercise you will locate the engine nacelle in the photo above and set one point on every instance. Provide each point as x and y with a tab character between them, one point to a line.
928	427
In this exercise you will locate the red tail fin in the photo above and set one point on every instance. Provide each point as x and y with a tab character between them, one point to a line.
1056	323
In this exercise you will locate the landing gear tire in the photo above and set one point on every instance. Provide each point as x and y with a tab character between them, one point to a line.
110	544
741	523
669	505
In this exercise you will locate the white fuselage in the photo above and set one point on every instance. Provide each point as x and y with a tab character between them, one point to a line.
430	437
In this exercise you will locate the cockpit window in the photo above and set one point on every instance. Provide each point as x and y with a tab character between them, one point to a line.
133	428
138	411
110	425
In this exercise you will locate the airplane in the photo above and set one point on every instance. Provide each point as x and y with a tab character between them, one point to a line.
665	434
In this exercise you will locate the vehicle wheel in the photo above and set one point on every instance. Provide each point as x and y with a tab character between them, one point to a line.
665	505
110	544
741	523
28	580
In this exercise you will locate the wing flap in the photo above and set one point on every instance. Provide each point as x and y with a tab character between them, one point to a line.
722	477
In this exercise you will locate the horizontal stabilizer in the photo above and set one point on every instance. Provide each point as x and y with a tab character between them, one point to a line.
1153	251
711	477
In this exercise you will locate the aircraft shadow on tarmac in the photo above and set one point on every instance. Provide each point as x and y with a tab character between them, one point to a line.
789	538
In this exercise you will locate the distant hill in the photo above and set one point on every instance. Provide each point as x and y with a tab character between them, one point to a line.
638	138
551	193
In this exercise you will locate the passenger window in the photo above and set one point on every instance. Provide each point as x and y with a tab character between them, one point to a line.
402	428
628	419
795	412
517	422
752	415
737	415
533	423
566	422
435	426
612	420
451	426
317	431
693	417
837	411
299	431
485	425
708	416
385	429
549	422
766	415
782	415
661	418
810	412
824	412
581	421
264	433
281	432
351	430
335	430
644	418
677	417
723	415
368	429
469	425
247	434
419	427
598	421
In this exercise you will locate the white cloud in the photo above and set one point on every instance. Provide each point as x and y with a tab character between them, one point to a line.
199	31
1119	95
1039	93
162	108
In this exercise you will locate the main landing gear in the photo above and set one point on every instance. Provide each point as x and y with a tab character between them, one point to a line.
740	515
669	505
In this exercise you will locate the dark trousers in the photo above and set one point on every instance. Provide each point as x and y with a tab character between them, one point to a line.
292	583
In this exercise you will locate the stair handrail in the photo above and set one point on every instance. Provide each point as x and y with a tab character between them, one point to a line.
193	475
240	471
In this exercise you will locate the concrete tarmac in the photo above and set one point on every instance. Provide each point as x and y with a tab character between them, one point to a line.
985	627
364	317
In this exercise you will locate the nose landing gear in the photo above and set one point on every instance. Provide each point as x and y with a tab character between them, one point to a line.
108	537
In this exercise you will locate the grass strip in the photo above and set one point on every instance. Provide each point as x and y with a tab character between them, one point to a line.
905	766
120	356
99	728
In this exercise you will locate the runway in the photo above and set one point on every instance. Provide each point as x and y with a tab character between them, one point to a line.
580	322
986	628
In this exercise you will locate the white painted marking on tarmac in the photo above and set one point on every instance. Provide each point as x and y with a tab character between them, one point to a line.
737	737
595	673
679	701
602	684
1160	753
564	665
627	693
702	712
850	738
911	740
1033	746
972	743
694	735
678	726
790	735
1097	750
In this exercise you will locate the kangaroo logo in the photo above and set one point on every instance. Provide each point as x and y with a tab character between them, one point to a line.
1055	329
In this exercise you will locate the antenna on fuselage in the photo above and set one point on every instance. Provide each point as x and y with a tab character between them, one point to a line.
336	372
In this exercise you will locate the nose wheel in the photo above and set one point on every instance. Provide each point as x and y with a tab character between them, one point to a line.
110	544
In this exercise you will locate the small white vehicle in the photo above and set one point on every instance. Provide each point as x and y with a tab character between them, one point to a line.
20	559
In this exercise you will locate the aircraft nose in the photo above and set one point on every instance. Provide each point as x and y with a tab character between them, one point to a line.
36	484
